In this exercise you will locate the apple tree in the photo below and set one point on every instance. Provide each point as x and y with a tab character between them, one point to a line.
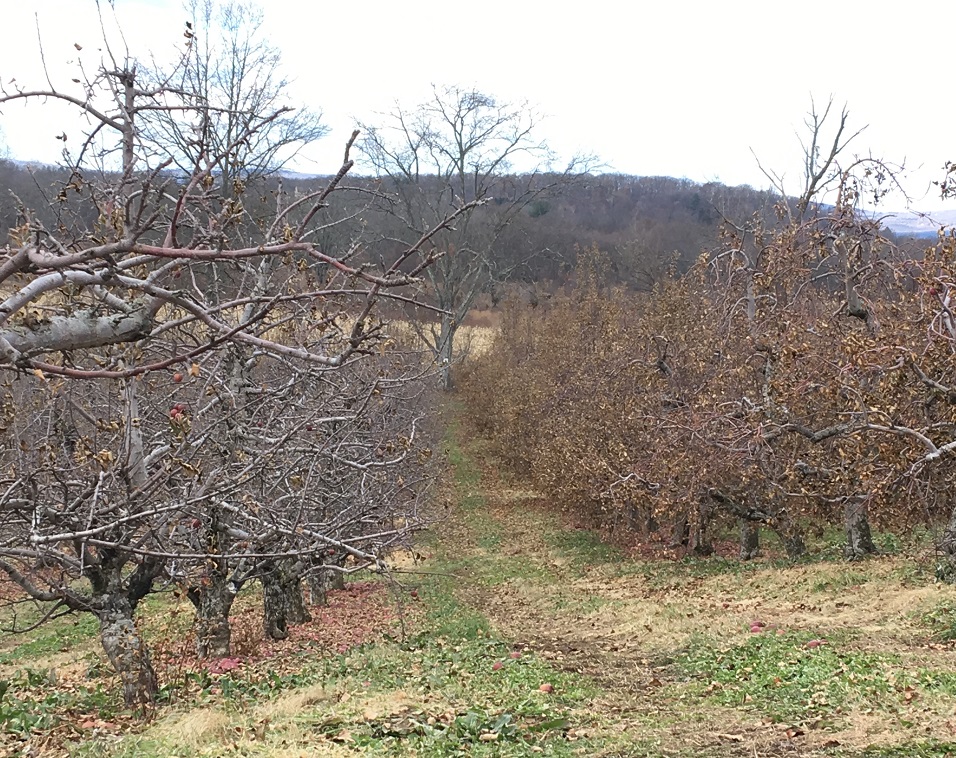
194	390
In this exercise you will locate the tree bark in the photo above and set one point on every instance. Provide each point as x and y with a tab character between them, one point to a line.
640	519
749	539
698	543
946	547
680	532
323	580
446	350
859	538
283	602
127	652
790	535
213	600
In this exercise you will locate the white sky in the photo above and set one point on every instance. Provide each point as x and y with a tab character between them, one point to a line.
684	89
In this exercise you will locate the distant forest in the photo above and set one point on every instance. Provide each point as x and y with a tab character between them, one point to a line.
649	227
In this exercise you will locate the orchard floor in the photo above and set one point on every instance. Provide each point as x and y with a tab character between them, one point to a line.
514	634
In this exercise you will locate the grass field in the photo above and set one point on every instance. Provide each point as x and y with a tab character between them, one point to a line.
526	637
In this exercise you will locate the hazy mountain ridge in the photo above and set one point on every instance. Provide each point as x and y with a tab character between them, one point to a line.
913	224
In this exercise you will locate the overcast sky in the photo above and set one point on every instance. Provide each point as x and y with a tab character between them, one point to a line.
687	89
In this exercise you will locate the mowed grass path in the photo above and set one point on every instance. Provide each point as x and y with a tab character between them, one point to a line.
848	659
527	637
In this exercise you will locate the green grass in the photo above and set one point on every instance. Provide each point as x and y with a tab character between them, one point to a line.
456	699
468	695
28	703
61	635
665	574
467	477
584	547
843	580
941	621
786	678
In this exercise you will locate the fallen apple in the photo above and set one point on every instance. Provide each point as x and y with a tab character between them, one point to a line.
546	687
177	377
498	665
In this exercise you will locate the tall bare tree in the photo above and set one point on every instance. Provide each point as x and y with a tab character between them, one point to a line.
233	71
459	147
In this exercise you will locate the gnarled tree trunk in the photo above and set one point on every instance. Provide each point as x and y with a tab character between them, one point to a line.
324	580
946	566
640	519
698	543
680	530
213	600
127	652
749	539
790	535
116	594
859	538
283	601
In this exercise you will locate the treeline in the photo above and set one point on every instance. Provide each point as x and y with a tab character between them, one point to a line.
647	226
798	375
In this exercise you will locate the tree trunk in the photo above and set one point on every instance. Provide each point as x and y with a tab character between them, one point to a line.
213	600
318	590
128	654
446	350
283	602
324	580
749	539
640	519
859	539
698	542
789	535
946	547
680	533
335	580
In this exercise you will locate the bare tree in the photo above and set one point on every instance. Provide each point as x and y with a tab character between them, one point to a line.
460	146
236	75
154	428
